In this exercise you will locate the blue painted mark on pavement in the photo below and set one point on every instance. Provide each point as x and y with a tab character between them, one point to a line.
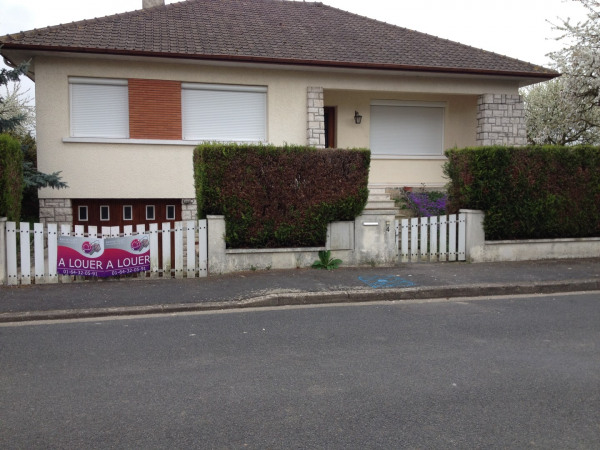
386	281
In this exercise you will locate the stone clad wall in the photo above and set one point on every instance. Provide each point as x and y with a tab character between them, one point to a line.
501	120
316	117
56	210
189	209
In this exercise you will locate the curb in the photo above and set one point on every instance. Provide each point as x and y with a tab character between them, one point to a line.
316	298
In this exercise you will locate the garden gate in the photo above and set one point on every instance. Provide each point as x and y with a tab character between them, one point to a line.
432	239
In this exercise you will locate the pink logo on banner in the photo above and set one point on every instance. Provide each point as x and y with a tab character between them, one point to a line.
140	244
91	248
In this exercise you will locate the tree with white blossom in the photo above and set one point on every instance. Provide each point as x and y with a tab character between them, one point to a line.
566	110
16	109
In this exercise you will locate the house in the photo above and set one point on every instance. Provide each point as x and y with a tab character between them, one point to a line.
122	100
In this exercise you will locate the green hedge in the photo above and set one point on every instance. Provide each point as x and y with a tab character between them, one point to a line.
531	192
279	196
11	177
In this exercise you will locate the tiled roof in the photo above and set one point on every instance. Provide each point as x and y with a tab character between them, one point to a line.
275	31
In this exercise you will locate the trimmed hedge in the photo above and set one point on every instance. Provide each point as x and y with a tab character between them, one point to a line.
11	177
279	196
533	192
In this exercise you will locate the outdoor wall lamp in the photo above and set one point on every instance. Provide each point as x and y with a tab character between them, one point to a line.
357	118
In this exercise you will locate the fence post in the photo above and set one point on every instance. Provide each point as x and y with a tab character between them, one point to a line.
191	248
2	250
52	253
65	230
166	249
178	249
202	248
38	252
217	258
25	250
475	236
153	231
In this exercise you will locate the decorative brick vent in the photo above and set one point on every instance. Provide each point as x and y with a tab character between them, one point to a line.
154	109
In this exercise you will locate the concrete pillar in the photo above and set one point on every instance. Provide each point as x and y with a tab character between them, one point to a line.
375	239
475	235
215	226
315	117
3	276
501	120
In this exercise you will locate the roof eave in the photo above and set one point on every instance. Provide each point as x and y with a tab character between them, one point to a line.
284	61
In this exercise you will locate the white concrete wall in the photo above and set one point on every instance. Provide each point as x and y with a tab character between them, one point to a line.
105	170
480	250
536	249
368	240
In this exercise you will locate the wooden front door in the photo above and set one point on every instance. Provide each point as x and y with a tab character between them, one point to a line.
330	130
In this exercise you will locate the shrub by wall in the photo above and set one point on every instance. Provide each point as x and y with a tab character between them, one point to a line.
11	177
279	196
531	192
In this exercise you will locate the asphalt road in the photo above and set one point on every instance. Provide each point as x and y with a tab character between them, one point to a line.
503	373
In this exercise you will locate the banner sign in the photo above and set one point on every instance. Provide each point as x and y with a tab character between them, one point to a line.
103	257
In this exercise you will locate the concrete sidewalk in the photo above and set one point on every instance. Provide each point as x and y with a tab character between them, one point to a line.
292	287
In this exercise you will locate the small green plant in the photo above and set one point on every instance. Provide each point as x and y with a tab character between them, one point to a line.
326	261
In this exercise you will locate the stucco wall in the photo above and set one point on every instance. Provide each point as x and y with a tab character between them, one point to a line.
460	123
132	171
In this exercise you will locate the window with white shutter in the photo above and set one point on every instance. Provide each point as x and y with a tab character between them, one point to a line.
407	128
213	112
99	108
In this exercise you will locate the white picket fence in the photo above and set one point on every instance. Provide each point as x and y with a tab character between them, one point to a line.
431	239
41	244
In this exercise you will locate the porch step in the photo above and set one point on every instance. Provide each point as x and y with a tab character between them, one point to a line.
378	197
379	200
380	204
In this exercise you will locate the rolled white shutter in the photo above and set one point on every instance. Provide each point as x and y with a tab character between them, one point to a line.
99	109
224	113
407	130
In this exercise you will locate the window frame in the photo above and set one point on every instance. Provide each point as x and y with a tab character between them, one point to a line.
167	212
107	213
81	208
439	134
118	116
201	134
125	219
153	212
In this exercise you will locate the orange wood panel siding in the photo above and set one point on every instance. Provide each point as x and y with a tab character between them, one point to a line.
154	109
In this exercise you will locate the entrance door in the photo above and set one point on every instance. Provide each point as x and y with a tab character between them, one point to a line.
330	131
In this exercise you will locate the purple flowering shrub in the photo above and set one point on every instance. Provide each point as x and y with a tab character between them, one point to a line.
427	204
